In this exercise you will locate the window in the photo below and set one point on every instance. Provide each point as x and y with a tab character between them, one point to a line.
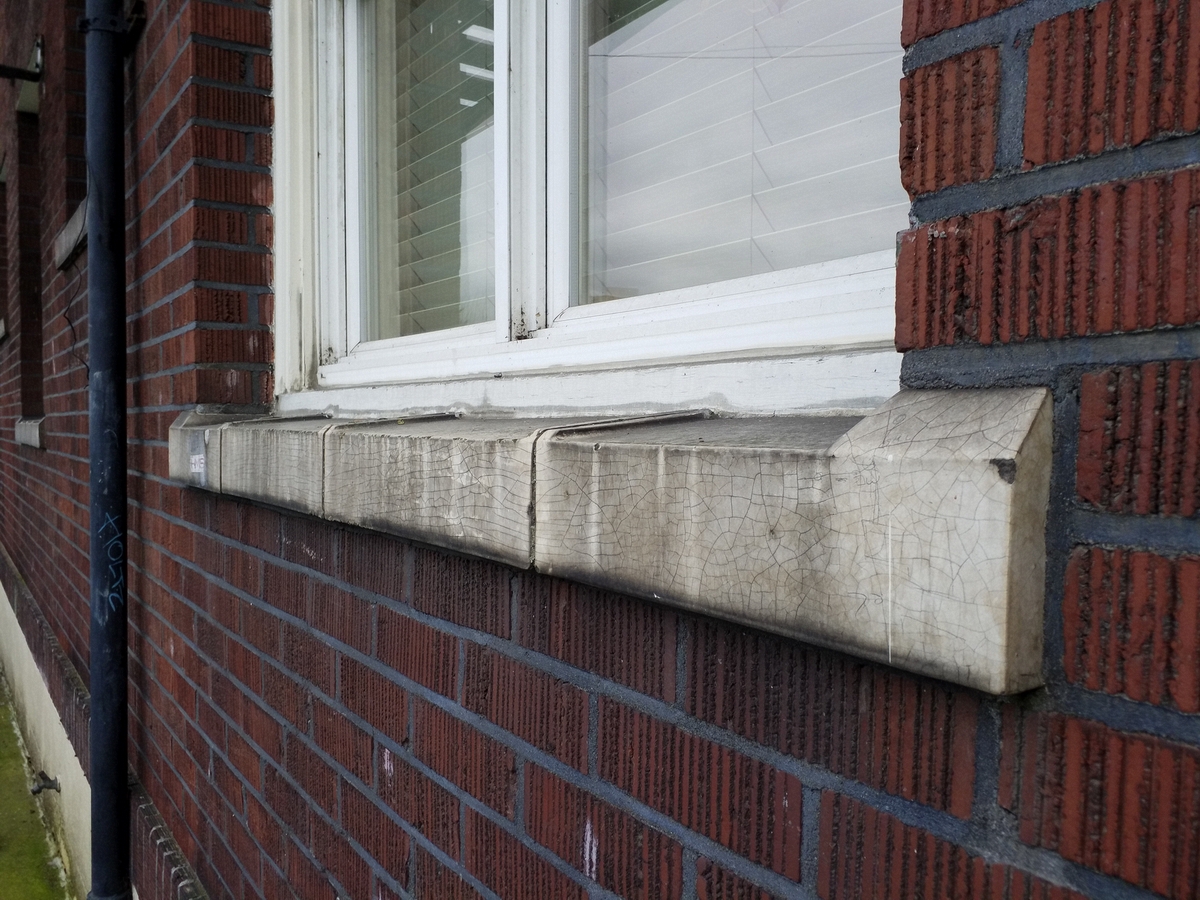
609	207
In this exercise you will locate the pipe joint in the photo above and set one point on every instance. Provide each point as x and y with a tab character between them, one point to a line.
113	24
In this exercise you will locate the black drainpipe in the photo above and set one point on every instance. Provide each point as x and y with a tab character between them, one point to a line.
105	27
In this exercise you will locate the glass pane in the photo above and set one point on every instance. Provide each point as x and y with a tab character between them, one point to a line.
430	210
727	138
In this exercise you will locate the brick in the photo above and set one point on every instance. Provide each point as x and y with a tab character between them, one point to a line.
540	709
421	802
306	880
315	776
715	883
228	186
864	852
286	696
948	122
309	657
737	801
923	18
1104	799
626	640
244	759
385	840
1114	76
618	852
218	64
243	571
891	731
374	562
1139	439
510	868
382	703
416	651
263	74
261	629
243	267
285	802
381	891
433	879
470	592
228	23
230	346
310	543
215	306
1113	258
1131	625
483	768
335	854
343	740
341	615
244	848
259	527
263	730
285	590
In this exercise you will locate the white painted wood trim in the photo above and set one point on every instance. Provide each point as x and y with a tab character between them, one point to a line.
778	384
506	313
295	190
562	108
844	305
527	165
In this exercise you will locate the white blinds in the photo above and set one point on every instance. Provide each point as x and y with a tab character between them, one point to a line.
430	168
728	138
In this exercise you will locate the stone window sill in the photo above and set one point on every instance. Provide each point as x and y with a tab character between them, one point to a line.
30	432
912	536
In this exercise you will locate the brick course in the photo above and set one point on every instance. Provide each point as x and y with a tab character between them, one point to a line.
1117	75
923	18
948	122
613	849
738	802
891	731
869	853
1139	439
1113	258
1132	625
1108	800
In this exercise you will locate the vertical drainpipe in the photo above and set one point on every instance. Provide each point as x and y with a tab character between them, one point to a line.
105	27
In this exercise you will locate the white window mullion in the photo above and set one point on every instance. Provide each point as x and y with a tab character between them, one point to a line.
562	148
527	49
501	157
332	196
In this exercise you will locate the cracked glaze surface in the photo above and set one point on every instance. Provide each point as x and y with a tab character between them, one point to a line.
903	541
914	535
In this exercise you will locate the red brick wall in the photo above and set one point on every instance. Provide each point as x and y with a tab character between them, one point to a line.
316	708
42	516
1074	265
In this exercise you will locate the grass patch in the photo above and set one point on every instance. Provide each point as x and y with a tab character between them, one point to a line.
29	869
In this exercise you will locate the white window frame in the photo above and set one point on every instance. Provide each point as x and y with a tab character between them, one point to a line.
811	337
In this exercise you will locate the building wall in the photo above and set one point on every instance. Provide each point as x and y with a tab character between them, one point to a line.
317	710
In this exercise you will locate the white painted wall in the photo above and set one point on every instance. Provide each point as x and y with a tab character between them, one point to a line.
68	812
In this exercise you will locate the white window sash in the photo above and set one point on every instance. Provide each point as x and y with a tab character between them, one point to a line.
846	303
843	306
342	318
